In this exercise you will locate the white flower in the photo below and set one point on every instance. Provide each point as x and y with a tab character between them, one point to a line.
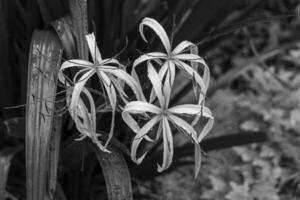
110	73
176	57
163	116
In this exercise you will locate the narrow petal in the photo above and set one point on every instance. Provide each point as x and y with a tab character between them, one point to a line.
191	109
180	123
195	58
112	96
208	126
78	87
147	127
70	64
75	63
134	146
84	70
149	56
119	86
156	83
129	80
169	80
198	158
188	57
168	146
161	73
194	50
159	130
139	137
158	29
86	124
95	53
140	107
198	59
194	74
92	119
111	61
130	121
182	46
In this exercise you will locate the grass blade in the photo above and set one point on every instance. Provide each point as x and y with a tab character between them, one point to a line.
80	21
116	173
44	62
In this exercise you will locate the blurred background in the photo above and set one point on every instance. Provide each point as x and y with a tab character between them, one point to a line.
253	51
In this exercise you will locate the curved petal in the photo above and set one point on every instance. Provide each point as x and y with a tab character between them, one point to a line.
111	61
190	130
156	83
140	107
188	57
78	87
182	46
129	80
79	73
119	86
180	123
112	97
139	137
191	109
197	59
75	63
194	74
169	80
130	121
198	159
149	56
147	127
72	63
208	126
168	146
161	73
158	29
92	119
135	144
159	130
95	53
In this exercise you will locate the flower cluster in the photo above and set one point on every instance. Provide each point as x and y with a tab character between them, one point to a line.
112	79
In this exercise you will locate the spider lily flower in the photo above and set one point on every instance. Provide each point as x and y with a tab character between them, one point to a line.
86	121
173	58
111	75
164	116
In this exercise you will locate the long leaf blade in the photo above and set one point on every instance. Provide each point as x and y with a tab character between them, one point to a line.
116	173
44	62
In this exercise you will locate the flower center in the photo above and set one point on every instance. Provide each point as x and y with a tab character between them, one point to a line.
170	56
164	112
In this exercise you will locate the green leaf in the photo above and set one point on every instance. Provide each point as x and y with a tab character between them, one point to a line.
79	16
116	173
42	82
